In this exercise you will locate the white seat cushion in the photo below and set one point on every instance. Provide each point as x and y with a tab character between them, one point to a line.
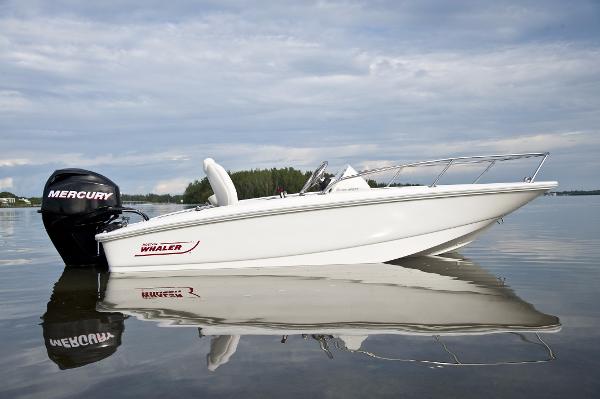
222	347
220	182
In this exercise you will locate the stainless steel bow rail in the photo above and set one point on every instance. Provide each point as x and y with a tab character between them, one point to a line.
550	355
490	160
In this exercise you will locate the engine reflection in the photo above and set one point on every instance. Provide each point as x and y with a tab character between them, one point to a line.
75	333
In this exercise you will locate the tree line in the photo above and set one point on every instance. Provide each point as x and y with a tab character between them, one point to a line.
251	184
159	198
260	183
579	192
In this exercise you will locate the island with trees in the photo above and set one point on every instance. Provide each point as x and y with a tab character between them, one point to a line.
259	183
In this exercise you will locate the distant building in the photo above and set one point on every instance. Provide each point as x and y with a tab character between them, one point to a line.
7	200
25	200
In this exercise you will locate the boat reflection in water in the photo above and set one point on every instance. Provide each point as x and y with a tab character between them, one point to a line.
75	333
339	306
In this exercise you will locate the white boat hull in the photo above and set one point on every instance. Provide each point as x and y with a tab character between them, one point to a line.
339	228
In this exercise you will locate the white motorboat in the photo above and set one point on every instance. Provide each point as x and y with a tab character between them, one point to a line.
346	222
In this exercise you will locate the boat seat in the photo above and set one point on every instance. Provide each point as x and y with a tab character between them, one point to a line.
222	347
221	184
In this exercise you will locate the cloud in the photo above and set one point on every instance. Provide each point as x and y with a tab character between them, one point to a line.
14	162
520	144
172	170
174	186
6	182
291	83
13	101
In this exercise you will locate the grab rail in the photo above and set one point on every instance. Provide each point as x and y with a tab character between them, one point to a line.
551	356
448	162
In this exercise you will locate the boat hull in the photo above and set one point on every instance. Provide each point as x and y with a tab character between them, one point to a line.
327	229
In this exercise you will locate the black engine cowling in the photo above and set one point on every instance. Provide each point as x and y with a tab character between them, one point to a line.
76	205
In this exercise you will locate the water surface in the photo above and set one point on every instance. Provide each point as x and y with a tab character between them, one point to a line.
515	314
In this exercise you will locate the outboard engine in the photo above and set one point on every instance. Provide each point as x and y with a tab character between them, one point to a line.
76	205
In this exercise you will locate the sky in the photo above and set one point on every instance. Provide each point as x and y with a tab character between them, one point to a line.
143	91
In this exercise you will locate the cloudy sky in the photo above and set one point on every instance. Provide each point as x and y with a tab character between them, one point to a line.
143	91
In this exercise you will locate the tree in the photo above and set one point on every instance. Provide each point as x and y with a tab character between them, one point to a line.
197	192
260	183
251	184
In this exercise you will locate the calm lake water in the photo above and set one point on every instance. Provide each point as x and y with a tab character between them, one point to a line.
515	314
